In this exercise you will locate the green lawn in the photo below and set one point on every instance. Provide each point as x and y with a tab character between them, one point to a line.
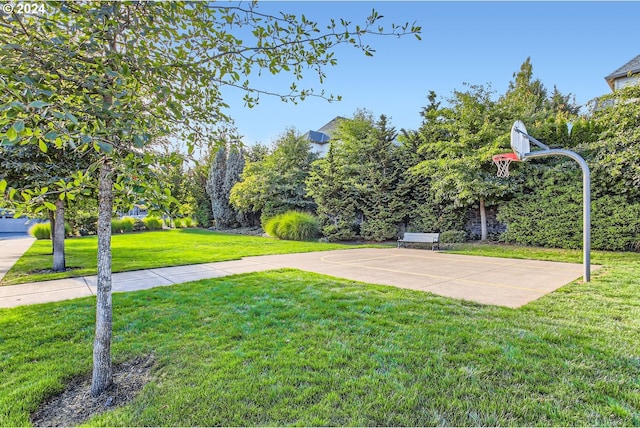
145	250
294	348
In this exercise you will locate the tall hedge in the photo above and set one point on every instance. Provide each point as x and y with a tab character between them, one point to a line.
552	217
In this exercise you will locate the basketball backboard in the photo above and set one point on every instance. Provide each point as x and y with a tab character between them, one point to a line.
519	140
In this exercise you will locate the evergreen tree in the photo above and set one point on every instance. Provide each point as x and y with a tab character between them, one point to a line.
224	173
382	208
276	183
615	151
356	187
335	199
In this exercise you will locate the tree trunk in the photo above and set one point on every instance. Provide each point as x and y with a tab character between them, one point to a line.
57	236
483	220
102	371
52	229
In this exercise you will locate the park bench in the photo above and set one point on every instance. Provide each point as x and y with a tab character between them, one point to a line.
421	238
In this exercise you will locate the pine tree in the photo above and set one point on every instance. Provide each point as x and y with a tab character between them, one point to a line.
275	183
356	187
381	205
334	197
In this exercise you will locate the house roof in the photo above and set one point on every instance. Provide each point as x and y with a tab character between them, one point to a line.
317	137
323	135
331	126
631	67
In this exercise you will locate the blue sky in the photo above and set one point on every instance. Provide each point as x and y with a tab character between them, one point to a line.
572	45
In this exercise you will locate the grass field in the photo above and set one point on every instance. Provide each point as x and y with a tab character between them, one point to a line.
146	250
295	348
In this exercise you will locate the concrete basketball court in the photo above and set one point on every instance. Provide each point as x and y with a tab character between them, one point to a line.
487	280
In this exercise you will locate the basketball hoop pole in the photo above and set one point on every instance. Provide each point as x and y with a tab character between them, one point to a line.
586	197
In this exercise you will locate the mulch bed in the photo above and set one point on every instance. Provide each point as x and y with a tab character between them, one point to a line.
75	404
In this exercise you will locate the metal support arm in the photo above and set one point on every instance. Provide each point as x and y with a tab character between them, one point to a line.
586	197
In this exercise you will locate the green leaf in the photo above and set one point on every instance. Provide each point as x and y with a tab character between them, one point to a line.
51	135
138	142
105	147
12	134
72	118
19	126
12	193
43	146
3	185
50	206
86	139
38	104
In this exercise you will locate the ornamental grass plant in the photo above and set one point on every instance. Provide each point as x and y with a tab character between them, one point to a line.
293	226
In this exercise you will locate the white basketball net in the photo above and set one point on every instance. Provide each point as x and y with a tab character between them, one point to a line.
503	166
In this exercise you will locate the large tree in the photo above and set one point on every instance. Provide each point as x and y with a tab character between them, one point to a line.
276	183
115	77
30	171
459	139
224	172
458	142
356	187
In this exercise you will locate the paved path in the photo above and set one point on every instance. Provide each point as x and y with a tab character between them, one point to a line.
11	249
488	280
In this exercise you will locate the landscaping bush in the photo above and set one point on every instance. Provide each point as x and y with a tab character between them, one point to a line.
152	223
128	224
378	229
556	221
178	223
116	225
293	226
40	231
342	231
43	230
85	222
138	225
453	236
188	222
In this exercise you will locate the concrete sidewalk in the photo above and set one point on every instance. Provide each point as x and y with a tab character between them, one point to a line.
11	249
487	280
71	288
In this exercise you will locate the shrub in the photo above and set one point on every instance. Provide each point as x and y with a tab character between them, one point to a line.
293	225
85	222
188	222
557	221
339	230
453	236
138	225
43	230
152	223
40	231
378	230
116	226
178	223
128	224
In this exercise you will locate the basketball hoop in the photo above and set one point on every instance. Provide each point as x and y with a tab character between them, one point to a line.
502	161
